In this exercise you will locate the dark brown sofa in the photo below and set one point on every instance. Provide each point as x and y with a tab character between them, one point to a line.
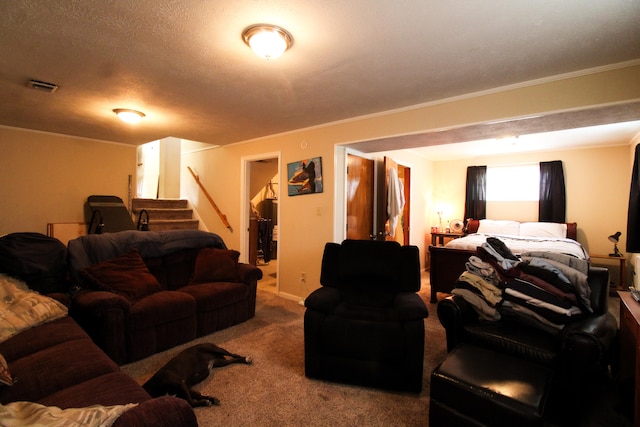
197	287
57	363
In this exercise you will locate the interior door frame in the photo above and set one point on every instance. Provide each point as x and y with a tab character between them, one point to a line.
340	189
245	211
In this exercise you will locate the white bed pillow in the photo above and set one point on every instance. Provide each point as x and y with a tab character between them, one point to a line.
543	229
493	226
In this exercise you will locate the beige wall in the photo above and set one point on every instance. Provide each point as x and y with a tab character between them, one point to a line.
303	233
597	188
47	178
60	172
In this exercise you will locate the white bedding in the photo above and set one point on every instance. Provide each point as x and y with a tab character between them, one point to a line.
519	245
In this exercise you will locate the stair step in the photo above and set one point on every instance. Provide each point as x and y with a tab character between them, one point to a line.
175	224
138	204
165	214
160	213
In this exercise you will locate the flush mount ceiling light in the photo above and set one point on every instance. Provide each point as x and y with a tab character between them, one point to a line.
267	41
128	116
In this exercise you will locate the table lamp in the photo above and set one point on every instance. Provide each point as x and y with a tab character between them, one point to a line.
615	238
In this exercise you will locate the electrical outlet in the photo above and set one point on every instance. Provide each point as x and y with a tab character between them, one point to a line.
303	277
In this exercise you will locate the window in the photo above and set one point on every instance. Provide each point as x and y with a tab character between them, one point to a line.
513	183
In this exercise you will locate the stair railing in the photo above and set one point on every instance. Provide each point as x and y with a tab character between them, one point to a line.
222	216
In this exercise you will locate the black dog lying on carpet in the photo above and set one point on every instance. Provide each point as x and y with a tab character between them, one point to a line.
189	368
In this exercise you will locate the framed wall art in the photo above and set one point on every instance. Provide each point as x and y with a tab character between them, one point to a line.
305	176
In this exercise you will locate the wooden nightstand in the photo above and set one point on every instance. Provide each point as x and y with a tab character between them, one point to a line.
622	260
437	239
630	347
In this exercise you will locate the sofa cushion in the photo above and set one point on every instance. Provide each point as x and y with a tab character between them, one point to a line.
112	388
173	270
216	265
51	369
211	296
44	336
161	308
126	275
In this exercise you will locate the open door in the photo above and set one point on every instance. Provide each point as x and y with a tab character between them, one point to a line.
360	196
400	177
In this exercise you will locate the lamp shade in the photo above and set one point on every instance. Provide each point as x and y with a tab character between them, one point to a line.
615	238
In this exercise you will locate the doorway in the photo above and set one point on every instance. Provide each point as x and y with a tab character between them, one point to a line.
260	216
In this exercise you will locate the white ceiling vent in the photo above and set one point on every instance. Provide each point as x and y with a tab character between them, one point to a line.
43	86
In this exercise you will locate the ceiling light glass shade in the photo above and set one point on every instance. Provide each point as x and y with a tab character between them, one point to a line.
267	41
128	116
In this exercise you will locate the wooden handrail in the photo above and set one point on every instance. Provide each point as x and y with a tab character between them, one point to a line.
222	216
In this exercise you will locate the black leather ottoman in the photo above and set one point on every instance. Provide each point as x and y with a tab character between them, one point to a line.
476	387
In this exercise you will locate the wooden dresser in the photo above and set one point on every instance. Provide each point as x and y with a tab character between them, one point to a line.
630	347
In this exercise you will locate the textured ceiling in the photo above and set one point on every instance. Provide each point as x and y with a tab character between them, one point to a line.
184	63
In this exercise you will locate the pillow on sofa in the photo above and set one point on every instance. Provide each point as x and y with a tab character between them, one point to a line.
22	308
126	275
5	375
216	265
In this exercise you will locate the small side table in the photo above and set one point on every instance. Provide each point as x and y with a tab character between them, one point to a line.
622	260
438	238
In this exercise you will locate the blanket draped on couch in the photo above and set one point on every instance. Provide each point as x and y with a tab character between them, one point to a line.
23	414
95	248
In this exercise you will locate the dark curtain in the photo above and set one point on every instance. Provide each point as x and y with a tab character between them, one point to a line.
475	205
633	216
552	207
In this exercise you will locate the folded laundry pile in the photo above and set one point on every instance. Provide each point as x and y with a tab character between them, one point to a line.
543	289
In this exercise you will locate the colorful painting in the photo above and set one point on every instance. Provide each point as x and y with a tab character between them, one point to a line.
305	176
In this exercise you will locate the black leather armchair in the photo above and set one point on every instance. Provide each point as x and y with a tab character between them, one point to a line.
365	325
580	354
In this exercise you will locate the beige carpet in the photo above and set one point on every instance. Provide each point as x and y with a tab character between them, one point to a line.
274	391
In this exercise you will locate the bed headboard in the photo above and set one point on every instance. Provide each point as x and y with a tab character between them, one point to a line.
572	228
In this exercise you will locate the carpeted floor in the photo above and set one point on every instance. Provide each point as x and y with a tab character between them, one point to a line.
274	391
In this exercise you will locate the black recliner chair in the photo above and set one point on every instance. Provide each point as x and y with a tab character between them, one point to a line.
580	354
365	325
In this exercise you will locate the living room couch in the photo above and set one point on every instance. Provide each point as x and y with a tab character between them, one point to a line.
57	365
140	293
53	362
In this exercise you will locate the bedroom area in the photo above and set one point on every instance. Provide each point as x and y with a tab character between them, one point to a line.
596	183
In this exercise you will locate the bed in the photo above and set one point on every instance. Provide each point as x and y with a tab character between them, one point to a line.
448	261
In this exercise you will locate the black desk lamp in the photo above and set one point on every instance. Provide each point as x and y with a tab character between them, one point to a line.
615	238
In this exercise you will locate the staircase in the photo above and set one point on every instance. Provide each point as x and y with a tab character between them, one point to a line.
165	214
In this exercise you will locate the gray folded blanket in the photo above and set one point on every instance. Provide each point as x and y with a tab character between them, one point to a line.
95	248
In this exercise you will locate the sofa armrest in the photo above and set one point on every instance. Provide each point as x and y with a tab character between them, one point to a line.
103	316
598	279
454	312
587	346
409	306
62	298
324	300
165	411
249	273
